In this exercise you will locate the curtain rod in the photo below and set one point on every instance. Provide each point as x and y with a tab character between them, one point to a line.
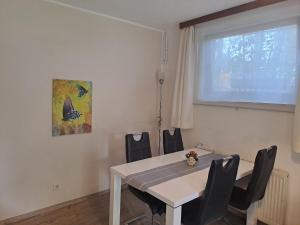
229	12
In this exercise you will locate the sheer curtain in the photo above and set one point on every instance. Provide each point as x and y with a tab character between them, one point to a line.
296	124
296	128
182	108
255	64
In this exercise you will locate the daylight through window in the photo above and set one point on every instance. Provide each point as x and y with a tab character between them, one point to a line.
258	66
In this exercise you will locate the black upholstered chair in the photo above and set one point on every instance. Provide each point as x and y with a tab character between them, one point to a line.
212	205
138	150
255	188
172	143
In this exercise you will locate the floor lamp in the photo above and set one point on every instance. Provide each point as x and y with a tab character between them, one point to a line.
161	79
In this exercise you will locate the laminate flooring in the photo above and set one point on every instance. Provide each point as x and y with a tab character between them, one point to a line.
94	210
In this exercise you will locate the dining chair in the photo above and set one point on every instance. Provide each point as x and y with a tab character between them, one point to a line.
212	205
172	143
138	150
254	190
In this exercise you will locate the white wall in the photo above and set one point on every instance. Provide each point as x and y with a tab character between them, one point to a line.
40	41
245	131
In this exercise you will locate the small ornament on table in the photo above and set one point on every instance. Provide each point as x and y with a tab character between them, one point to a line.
192	158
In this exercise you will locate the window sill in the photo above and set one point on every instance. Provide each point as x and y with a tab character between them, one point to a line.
254	106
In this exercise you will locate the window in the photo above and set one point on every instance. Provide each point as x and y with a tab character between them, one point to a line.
257	65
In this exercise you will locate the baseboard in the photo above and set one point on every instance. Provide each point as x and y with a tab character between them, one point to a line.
29	215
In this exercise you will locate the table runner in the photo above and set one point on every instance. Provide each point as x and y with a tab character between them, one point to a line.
144	180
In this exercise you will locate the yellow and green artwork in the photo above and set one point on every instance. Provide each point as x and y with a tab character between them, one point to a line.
71	107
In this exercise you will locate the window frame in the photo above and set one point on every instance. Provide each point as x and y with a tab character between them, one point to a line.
290	108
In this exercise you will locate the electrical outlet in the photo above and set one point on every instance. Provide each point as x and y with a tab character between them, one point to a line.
199	145
203	146
55	187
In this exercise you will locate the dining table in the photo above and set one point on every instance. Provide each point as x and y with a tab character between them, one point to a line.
175	191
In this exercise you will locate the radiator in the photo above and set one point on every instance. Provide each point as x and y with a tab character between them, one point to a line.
272	208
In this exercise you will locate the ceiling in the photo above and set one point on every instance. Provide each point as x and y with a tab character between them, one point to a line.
155	13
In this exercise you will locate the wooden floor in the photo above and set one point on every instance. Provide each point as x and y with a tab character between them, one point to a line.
94	209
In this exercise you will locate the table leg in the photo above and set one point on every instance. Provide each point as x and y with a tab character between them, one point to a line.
252	214
115	199
173	215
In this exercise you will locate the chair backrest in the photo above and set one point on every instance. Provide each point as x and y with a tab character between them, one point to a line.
137	150
172	143
216	197
263	166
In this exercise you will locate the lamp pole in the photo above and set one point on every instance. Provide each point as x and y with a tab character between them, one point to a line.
161	82
161	79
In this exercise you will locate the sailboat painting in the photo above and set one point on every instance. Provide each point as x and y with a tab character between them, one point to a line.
71	107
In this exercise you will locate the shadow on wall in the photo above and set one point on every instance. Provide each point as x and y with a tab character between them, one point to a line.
90	178
117	149
295	157
113	153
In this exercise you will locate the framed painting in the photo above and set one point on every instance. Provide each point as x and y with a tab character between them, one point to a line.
71	107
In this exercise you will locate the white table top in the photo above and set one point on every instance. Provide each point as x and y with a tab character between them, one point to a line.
146	164
180	190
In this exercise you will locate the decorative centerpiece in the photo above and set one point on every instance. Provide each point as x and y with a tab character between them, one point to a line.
191	158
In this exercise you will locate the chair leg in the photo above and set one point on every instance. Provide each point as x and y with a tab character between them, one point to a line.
127	222
252	214
154	221
227	221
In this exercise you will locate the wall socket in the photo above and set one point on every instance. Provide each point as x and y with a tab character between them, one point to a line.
55	187
203	146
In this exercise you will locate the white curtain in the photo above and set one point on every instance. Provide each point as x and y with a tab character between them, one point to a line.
296	124
296	128
182	108
238	64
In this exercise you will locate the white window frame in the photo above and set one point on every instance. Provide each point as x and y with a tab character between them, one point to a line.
239	30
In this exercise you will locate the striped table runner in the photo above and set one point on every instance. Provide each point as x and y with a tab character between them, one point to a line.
148	178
